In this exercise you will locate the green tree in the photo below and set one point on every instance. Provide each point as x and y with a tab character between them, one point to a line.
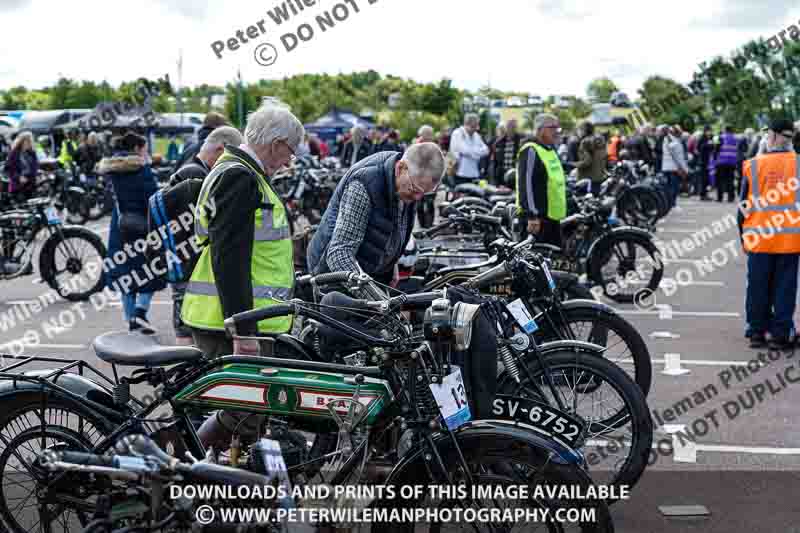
15	99
62	93
600	90
665	101
579	108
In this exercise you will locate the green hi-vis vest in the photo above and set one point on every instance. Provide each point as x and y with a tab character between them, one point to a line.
556	181
271	267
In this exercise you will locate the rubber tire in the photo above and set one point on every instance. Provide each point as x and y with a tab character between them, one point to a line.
15	405
628	390
502	453
595	269
642	364
630	213
47	255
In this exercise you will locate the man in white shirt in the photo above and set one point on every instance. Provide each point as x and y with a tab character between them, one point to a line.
468	147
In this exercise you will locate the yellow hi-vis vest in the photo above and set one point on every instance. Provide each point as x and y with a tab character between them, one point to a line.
65	157
772	223
556	181
271	267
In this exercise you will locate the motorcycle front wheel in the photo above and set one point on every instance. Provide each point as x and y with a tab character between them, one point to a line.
71	262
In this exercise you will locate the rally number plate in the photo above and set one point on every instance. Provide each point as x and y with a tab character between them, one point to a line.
563	427
52	216
520	312
451	396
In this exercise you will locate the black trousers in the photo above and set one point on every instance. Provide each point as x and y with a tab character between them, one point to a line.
725	175
549	234
702	181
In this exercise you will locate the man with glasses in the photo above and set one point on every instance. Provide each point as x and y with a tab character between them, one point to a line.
370	216
541	184
247	262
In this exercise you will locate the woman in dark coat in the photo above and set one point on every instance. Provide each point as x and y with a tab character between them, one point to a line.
21	167
133	183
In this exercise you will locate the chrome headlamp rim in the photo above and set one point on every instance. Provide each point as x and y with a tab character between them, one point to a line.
461	322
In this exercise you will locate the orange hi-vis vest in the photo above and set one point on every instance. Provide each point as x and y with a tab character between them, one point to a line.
772	222
613	149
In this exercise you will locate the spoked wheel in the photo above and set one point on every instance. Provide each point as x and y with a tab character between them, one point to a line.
623	343
619	428
639	208
71	262
628	267
26	430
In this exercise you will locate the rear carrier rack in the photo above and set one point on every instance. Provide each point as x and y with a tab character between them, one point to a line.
48	378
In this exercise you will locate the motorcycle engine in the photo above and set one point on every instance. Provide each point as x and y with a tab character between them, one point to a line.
294	447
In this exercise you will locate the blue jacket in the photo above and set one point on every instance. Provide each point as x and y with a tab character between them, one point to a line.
376	172
133	183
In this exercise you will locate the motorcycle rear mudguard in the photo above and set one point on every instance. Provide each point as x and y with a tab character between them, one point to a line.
82	393
619	231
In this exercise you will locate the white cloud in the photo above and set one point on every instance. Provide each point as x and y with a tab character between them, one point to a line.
545	47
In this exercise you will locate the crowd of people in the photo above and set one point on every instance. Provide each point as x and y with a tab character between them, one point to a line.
536	165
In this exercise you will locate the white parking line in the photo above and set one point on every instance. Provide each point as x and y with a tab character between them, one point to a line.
675	230
696	362
51	346
725	448
680	220
720	314
720	448
697	283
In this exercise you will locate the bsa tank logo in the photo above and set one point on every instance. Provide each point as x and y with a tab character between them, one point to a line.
283	398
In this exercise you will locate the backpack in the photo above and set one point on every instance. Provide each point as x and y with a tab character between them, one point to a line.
170	226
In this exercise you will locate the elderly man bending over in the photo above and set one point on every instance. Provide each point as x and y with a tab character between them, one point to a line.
371	214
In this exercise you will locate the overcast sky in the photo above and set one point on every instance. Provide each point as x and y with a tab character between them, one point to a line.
542	46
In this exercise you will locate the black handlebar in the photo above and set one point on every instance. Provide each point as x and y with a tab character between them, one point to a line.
257	315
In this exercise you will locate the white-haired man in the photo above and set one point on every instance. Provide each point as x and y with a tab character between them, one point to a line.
369	219
248	262
468	148
541	184
425	134
200	165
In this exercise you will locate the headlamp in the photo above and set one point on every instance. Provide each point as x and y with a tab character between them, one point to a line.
461	323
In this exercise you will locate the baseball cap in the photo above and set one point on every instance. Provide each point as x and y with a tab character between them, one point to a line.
782	126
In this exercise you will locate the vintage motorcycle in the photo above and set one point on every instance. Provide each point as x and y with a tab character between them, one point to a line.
401	419
70	260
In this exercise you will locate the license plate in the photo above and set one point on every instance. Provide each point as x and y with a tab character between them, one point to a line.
52	216
520	312
563	427
549	276
451	396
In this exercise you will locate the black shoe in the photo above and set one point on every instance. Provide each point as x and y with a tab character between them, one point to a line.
758	340
781	344
140	323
